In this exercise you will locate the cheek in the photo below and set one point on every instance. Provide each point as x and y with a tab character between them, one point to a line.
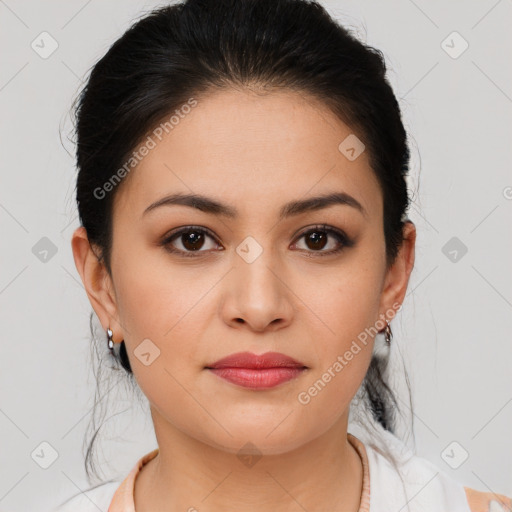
346	305
329	390
165	314
154	297
156	310
343	352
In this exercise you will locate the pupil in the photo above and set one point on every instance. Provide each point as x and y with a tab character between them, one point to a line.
191	239
317	240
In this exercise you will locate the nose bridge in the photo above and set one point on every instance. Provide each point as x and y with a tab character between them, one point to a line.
256	293
255	275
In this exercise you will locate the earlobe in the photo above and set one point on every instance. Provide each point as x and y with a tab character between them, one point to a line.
95	278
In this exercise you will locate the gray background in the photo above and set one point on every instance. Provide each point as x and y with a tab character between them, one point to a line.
453	332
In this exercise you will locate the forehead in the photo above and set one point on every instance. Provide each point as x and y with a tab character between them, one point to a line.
249	148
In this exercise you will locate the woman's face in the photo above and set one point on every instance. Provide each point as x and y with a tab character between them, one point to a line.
261	279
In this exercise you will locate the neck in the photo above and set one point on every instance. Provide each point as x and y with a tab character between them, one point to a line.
187	474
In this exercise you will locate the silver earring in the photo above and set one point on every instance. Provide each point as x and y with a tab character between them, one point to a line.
110	340
388	333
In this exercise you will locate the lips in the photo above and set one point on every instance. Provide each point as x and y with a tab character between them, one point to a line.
254	371
256	362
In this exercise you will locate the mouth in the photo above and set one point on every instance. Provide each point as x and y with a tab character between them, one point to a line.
257	371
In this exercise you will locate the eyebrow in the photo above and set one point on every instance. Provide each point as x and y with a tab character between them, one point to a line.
214	207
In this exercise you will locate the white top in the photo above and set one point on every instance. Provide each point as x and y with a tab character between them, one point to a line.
427	488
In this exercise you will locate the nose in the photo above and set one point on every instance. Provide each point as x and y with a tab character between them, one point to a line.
257	296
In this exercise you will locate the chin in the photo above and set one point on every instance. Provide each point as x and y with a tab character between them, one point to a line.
258	438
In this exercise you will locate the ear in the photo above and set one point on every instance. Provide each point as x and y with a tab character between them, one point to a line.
97	282
397	276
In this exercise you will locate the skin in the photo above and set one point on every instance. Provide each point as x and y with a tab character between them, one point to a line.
253	152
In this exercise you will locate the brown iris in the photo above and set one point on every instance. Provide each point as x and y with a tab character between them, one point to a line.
318	240
193	240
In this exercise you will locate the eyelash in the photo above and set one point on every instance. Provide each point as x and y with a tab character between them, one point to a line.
341	237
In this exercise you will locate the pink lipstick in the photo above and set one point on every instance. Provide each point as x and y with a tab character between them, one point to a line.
257	371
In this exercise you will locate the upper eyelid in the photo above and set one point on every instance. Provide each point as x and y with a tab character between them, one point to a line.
184	229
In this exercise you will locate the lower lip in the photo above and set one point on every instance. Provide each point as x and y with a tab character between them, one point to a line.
257	379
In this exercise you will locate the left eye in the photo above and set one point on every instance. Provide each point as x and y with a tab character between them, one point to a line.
317	238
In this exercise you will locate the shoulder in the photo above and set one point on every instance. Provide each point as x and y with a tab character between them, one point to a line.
418	481
91	500
480	501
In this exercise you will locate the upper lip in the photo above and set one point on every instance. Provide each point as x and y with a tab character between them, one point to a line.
255	361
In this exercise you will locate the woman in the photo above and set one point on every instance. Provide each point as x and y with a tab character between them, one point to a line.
245	244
